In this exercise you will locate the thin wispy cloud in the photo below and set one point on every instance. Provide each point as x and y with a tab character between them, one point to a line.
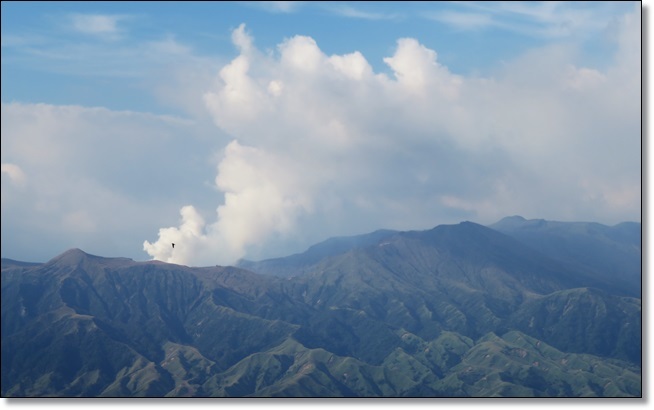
169	45
536	19
342	9
22	40
92	58
280	6
462	20
99	25
345	10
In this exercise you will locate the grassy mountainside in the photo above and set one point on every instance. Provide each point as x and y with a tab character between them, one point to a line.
458	310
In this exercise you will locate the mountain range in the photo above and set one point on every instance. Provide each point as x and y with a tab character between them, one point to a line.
529	308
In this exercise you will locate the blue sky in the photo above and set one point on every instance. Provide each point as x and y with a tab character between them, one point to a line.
254	129
41	39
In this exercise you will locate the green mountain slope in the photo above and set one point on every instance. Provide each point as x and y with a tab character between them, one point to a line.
459	310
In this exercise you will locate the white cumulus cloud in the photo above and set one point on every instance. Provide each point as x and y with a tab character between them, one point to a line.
91	178
323	145
15	174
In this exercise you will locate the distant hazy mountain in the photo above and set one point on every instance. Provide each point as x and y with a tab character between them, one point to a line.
301	263
458	310
613	252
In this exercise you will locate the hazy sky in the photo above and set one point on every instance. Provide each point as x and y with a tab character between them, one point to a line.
256	129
